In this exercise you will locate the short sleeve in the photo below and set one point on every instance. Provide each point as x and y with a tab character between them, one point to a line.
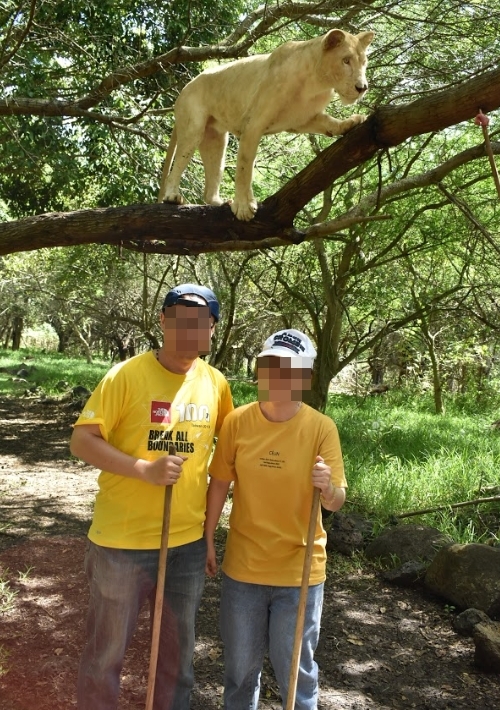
225	404
105	405
331	452
222	465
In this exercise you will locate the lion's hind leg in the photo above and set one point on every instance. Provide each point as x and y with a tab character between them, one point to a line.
244	205
212	150
189	136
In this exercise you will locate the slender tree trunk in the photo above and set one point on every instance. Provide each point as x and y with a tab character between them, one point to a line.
154	343
17	331
85	345
5	335
437	383
328	337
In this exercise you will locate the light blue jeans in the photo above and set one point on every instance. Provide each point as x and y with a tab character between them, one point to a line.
255	618
120	583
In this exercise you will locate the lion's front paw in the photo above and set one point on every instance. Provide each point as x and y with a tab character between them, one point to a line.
244	210
174	198
352	121
215	201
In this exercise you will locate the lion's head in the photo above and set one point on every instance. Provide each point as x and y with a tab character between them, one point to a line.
343	63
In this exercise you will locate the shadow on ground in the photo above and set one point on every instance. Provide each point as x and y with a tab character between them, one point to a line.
380	648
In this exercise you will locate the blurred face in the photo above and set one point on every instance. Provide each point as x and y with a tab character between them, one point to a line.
282	379
187	329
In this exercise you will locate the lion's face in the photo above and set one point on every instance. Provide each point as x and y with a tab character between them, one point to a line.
344	63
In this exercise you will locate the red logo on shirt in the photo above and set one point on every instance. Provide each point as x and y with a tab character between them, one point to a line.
160	412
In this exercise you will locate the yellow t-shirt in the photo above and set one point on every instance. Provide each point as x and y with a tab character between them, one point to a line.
271	464
140	408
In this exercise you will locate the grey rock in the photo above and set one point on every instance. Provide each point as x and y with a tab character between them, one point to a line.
465	623
348	533
408	575
467	576
487	643
80	392
406	543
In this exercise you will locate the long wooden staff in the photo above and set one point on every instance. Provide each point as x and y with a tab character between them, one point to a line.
483	121
301	611
160	591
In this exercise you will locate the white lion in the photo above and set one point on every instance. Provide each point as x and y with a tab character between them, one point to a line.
286	90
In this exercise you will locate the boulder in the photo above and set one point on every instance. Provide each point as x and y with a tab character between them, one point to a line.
408	575
406	543
348	533
465	623
467	576
80	392
487	643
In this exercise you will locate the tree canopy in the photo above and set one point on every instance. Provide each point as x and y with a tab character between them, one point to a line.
389	230
88	90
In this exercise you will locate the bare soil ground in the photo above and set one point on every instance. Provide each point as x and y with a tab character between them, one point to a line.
381	647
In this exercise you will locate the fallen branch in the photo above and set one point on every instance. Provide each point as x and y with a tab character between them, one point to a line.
447	507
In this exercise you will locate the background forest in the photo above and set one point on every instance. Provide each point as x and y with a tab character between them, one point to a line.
399	285
383	245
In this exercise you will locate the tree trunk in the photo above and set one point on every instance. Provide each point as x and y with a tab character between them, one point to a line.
17	331
328	336
85	345
437	383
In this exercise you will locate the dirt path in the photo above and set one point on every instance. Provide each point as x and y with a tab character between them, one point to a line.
380	647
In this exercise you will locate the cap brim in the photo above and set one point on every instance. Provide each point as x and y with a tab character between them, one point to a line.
181	301
297	361
279	352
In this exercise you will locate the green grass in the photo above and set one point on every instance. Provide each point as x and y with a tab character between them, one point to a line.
47	370
400	458
7	595
7	600
4	657
51	368
243	392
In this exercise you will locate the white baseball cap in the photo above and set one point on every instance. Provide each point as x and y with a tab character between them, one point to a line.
293	344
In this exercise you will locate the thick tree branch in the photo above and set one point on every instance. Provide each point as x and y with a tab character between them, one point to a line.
396	189
56	107
196	229
388	126
177	55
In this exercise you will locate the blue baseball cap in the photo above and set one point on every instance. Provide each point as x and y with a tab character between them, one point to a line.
175	295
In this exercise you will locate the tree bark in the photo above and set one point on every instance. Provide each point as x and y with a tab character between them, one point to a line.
437	383
17	332
169	229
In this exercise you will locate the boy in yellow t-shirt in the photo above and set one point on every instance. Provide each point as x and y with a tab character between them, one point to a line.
276	451
140	407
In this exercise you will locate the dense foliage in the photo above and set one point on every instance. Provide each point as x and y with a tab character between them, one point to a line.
410	293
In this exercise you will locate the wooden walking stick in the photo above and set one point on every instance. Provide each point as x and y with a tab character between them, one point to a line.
160	590
301	611
483	121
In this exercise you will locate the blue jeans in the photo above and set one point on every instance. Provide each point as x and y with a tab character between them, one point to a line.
120	583
255	618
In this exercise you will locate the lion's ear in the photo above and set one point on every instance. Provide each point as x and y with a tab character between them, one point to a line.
333	38
365	38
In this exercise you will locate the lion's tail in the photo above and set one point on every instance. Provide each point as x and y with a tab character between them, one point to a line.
169	159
